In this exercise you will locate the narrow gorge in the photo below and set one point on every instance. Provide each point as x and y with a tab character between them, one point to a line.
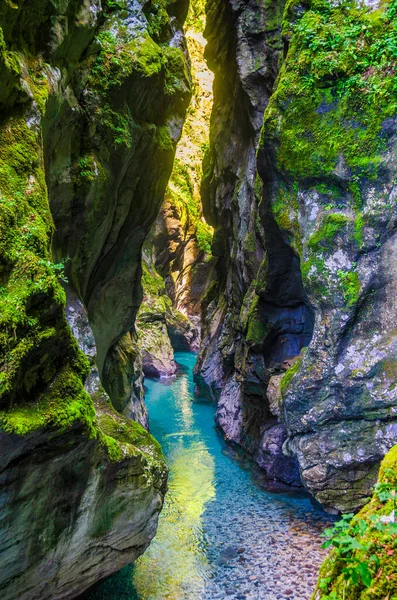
198	299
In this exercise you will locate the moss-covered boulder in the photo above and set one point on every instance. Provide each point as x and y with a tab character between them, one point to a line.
92	103
363	564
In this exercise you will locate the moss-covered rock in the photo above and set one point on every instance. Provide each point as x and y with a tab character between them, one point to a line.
92	104
181	238
258	315
364	568
304	235
327	157
161	328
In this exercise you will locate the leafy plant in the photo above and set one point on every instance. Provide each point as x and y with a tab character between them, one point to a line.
358	544
56	269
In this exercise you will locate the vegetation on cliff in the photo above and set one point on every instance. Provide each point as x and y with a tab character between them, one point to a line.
184	186
335	93
362	564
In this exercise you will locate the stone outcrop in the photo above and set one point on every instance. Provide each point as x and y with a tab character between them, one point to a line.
299	186
76	510
246	337
161	329
92	103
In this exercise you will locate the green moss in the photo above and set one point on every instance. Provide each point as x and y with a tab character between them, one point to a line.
285	209
312	269
120	124
119	58
63	403
289	374
351	286
29	278
257	326
181	193
163	138
332	225
113	448
176	71
359	225
334	90
10	73
128	432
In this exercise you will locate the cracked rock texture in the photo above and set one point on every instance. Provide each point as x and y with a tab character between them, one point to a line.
299	339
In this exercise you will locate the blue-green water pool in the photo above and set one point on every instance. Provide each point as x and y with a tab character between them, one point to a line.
221	534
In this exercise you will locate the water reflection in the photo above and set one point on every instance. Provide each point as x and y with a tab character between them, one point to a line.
176	560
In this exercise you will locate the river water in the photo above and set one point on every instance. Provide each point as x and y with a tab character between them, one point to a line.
221	535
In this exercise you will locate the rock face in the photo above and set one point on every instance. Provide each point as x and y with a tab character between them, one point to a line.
92	103
245	336
180	239
305	250
178	266
71	515
160	327
119	123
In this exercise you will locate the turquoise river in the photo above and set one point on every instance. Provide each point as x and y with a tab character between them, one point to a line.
221	534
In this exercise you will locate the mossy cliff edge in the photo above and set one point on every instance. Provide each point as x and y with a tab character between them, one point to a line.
299	186
362	565
92	104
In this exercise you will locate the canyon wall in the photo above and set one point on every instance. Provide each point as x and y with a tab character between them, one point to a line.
177	262
92	104
299	339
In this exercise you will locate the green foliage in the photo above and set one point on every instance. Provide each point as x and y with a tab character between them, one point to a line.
362	562
351	286
334	90
351	538
345	537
